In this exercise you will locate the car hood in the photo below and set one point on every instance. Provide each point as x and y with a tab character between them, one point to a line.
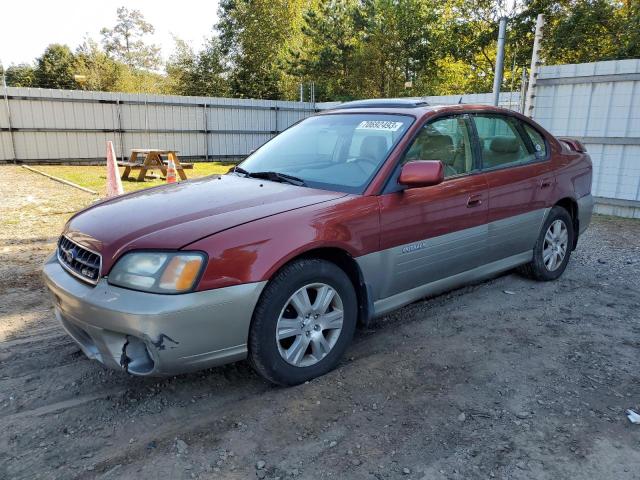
172	216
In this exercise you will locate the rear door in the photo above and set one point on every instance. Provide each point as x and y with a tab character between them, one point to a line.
520	180
435	232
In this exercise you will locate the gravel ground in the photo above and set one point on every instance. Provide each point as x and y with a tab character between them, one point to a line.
505	379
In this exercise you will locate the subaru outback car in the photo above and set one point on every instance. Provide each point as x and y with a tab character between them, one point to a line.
343	217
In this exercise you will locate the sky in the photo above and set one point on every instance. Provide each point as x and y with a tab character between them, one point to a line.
28	26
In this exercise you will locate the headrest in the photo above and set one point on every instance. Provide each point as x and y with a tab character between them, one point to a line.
439	142
373	147
504	145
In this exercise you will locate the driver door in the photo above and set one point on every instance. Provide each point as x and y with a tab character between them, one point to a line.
431	233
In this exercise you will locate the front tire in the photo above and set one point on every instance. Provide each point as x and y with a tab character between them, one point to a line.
552	250
303	322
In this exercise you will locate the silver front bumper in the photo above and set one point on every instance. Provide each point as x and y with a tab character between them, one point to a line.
151	334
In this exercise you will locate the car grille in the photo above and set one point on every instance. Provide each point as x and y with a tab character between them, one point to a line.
79	261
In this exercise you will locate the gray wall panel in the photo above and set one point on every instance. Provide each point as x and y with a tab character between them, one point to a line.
598	103
5	146
63	125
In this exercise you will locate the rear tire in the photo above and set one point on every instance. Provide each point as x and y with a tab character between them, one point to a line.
552	250
303	323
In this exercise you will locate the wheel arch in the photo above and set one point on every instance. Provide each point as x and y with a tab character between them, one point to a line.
347	264
571	206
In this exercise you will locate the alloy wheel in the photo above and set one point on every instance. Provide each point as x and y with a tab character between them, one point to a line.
556	242
309	324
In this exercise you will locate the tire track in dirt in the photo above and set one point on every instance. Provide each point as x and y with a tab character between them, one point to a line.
54	407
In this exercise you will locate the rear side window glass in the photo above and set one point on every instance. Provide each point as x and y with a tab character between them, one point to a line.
537	140
500	142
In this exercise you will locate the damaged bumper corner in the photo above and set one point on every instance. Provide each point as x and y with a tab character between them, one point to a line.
151	334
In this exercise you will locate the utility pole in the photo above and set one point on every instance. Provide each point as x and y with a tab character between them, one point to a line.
523	90
497	77
533	71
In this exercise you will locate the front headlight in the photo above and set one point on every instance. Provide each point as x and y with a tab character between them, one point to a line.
158	272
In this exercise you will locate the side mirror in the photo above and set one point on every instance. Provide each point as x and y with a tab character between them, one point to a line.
421	173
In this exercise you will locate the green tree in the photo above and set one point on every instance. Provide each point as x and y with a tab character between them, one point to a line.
592	30
126	40
629	21
56	68
397	44
367	48
257	37
578	31
102	73
22	75
327	54
134	80
199	74
349	48
469	39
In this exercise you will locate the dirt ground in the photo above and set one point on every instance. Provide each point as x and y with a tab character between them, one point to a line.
505	379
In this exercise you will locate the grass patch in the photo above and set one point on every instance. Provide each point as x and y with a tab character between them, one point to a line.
95	177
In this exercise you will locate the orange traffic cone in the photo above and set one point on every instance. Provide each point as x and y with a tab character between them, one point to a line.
171	171
114	185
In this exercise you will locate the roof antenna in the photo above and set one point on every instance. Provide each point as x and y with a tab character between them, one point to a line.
460	101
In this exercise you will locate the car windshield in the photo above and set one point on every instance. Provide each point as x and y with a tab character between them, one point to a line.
340	152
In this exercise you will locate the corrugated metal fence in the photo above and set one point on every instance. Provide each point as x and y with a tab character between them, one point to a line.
53	126
67	126
599	104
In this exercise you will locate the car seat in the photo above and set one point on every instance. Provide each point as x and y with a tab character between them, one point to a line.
373	147
502	150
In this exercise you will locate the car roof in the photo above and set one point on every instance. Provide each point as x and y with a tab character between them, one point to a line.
385	103
416	107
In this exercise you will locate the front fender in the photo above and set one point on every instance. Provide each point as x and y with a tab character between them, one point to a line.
256	250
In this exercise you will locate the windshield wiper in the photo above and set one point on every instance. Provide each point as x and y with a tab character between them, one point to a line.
240	170
278	177
272	176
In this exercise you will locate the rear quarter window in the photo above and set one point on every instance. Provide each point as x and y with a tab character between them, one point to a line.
539	145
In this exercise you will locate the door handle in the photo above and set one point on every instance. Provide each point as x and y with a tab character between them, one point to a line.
474	201
545	182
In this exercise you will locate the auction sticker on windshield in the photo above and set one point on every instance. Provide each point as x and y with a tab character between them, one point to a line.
379	125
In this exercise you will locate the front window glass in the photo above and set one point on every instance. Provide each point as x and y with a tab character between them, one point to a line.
446	139
333	152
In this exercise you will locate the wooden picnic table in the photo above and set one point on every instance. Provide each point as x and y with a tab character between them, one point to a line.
152	160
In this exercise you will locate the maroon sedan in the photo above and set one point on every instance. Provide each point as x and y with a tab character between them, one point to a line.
343	217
